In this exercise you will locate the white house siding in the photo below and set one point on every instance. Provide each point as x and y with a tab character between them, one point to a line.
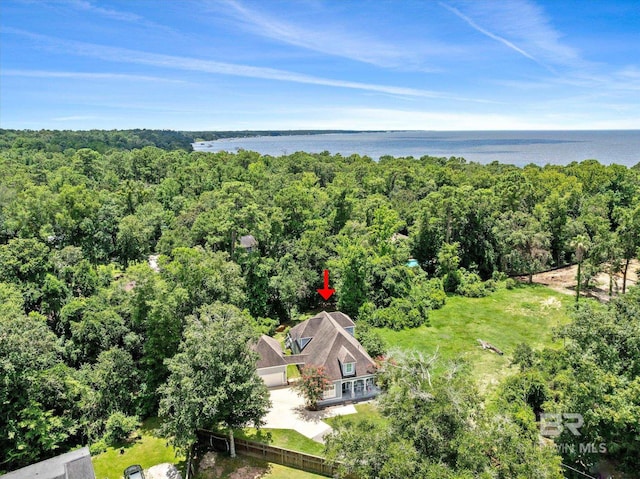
274	376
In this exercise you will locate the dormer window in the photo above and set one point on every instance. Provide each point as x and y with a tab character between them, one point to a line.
347	362
304	342
348	369
350	330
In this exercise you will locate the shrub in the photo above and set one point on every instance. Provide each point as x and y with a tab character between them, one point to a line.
491	285
435	292
371	340
402	313
119	427
452	281
98	447
366	312
498	276
472	286
524	356
511	283
266	326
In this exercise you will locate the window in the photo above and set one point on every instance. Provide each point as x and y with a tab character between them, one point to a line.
330	392
348	368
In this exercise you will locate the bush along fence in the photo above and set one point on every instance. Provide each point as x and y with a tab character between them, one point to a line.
285	457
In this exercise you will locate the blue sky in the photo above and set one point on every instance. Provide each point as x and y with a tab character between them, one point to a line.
313	64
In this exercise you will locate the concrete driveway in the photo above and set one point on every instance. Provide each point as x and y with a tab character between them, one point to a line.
288	412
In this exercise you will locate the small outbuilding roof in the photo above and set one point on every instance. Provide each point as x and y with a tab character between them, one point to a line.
398	237
72	465
248	241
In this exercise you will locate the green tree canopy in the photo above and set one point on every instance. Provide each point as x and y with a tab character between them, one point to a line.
212	379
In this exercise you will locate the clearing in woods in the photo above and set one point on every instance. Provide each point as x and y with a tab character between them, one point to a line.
505	318
564	281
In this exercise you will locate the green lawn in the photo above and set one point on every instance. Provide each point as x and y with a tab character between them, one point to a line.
285	438
276	471
366	410
147	451
505	318
292	371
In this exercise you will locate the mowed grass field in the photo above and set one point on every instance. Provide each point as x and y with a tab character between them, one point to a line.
505	318
147	451
150	450
285	438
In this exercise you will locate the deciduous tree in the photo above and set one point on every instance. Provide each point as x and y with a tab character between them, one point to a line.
212	379
312	385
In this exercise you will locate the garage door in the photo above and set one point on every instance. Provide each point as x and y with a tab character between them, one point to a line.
274	379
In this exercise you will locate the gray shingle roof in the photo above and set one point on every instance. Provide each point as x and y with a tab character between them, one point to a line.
329	342
271	354
72	465
248	241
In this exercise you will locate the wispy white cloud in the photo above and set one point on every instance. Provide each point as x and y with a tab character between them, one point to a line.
520	25
89	7
75	118
486	32
86	75
347	42
402	119
123	55
119	15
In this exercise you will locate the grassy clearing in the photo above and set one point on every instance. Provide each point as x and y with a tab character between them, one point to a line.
220	466
505	318
366	411
147	451
285	438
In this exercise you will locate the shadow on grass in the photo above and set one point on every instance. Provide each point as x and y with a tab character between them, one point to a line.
221	466
151	426
253	435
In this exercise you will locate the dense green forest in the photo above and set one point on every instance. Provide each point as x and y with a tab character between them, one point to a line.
86	324
56	141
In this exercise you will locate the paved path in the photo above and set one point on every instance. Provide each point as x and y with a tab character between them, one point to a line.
288	412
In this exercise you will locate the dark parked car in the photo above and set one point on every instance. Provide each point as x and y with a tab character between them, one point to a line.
133	472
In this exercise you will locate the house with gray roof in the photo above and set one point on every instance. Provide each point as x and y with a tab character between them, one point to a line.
72	465
325	340
328	340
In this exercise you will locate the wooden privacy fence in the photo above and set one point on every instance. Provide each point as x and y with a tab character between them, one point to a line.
285	457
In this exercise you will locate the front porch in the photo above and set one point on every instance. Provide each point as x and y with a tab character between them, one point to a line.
346	390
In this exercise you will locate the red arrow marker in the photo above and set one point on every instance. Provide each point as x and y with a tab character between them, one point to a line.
326	292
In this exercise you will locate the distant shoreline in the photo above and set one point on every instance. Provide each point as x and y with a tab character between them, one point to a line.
517	147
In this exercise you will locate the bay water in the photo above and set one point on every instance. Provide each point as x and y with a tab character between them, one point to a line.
512	147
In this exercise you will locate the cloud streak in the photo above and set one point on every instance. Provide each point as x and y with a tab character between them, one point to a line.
325	39
123	55
486	32
87	7
118	15
521	26
85	76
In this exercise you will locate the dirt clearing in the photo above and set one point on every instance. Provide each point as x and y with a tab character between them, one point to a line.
564	281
